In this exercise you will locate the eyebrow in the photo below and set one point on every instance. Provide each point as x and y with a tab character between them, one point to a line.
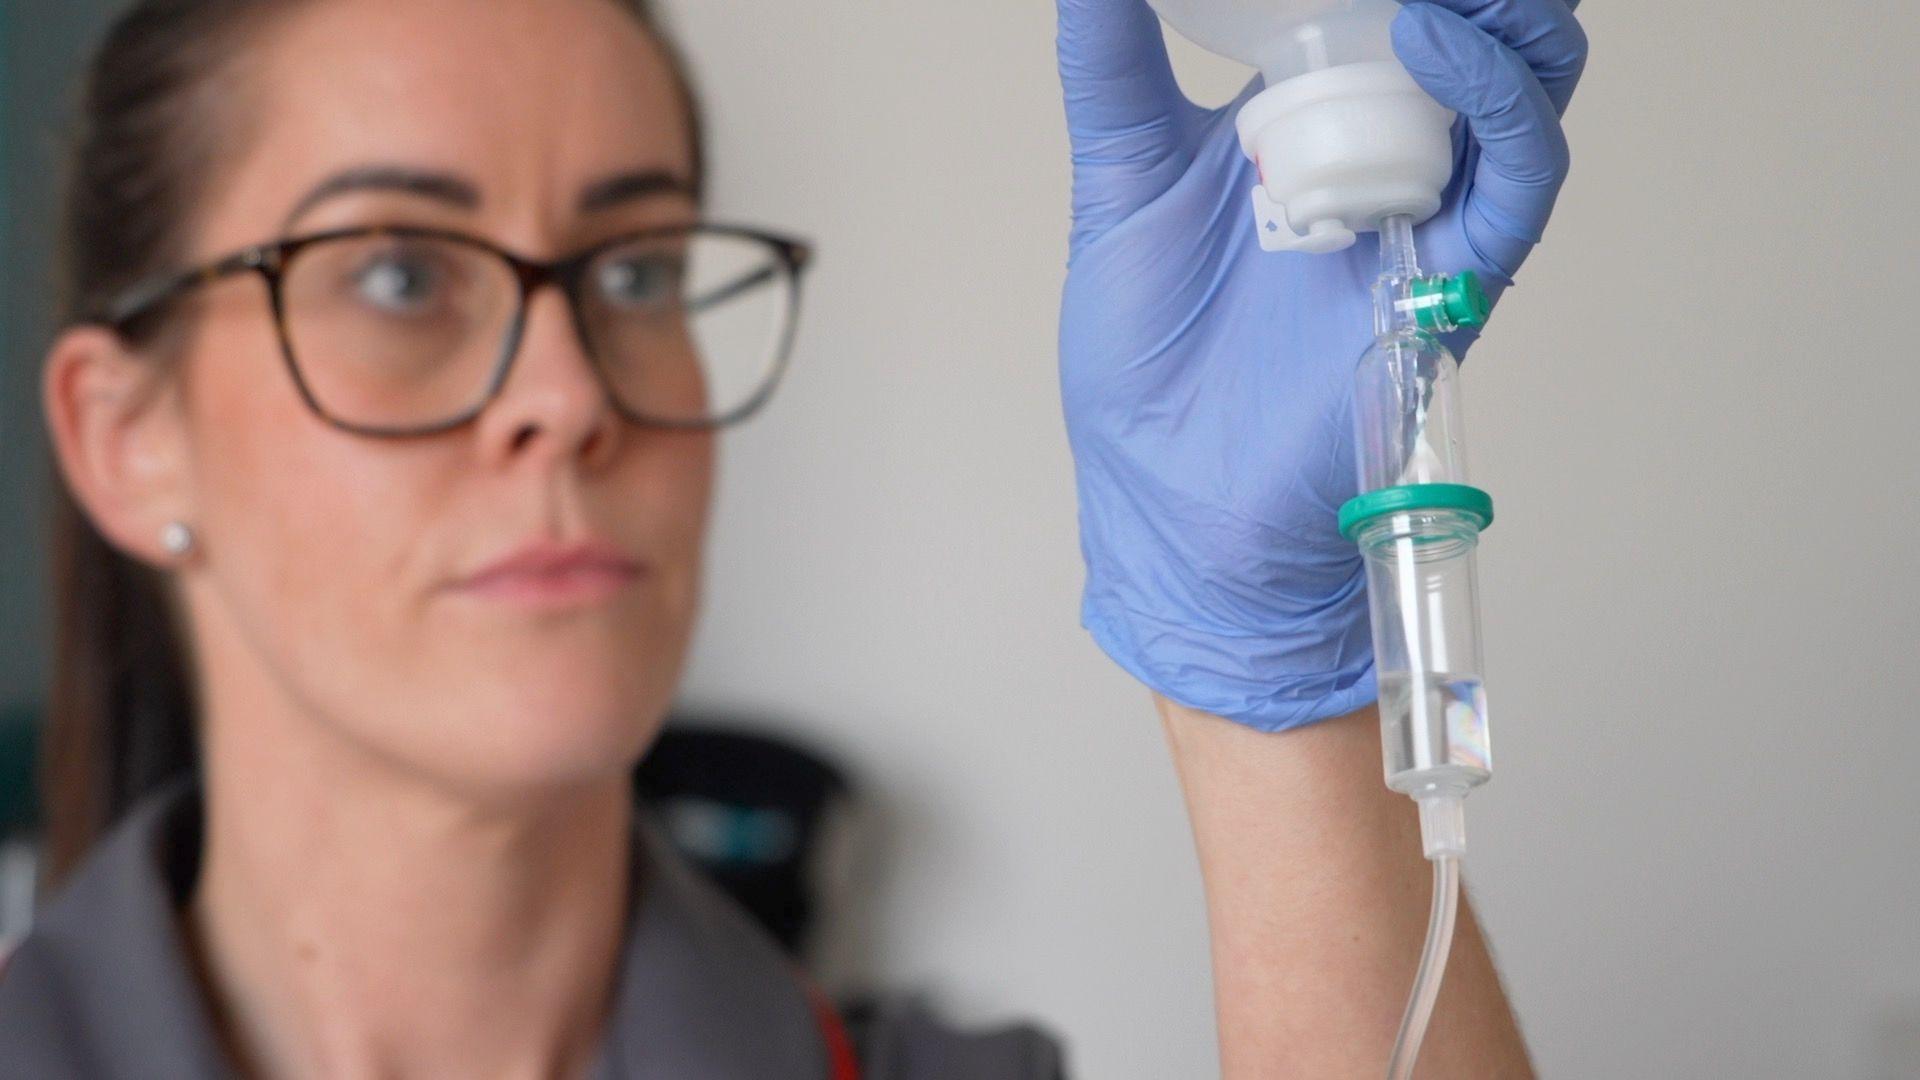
631	186
441	187
459	192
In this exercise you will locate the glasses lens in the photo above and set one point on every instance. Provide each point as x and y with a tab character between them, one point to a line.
397	331
688	326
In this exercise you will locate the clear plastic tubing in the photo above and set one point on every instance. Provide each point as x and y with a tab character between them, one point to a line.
1433	963
1417	522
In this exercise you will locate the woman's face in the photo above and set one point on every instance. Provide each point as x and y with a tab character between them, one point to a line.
330	579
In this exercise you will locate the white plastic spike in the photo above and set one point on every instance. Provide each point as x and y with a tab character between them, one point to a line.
1341	148
1277	233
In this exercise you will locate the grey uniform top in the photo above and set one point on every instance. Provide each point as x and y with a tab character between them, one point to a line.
102	989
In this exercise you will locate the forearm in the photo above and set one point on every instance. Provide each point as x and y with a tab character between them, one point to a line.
1317	900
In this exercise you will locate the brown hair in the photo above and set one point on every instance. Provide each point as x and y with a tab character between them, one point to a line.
120	714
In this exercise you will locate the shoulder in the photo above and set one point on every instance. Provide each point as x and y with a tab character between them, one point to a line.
100	988
904	1038
39	1035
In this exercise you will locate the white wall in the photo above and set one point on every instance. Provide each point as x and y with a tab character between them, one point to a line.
1698	858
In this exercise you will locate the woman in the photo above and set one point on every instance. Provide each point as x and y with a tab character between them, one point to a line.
400	547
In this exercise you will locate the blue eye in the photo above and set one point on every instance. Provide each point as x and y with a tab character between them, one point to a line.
638	281
398	282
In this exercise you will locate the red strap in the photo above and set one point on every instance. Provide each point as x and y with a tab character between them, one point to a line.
841	1062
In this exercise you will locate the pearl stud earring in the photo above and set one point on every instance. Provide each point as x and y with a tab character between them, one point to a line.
177	538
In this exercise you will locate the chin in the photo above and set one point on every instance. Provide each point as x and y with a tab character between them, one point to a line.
570	737
529	707
511	738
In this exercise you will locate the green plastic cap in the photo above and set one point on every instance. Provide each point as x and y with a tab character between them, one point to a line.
1462	302
1364	508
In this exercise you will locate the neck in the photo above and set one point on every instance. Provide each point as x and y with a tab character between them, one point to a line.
351	920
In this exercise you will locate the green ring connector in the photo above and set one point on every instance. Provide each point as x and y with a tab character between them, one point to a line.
1455	300
1415	497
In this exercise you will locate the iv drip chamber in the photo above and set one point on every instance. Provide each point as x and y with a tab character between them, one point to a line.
1417	522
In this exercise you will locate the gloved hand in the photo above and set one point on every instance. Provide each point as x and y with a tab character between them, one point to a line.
1207	384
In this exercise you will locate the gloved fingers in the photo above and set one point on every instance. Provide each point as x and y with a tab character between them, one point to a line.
1544	33
1522	148
1126	117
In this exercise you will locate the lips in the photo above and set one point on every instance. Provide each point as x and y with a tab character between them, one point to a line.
547	574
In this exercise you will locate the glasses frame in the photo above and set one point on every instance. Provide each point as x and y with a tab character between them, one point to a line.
270	261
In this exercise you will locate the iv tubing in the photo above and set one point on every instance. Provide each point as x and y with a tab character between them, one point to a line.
1433	965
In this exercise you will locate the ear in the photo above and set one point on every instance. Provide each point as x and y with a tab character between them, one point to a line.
119	439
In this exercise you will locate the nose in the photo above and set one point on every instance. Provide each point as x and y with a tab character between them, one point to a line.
553	403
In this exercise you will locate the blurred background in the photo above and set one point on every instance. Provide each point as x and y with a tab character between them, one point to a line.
1699	855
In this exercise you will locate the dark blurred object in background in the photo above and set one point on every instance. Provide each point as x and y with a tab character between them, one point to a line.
753	811
19	818
19	795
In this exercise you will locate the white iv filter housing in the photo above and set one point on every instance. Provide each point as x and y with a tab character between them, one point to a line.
1342	135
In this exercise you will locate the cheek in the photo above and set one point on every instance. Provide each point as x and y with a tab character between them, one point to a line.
657	502
313	533
261	458
682	478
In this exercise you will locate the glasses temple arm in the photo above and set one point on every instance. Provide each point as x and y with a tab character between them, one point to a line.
723	293
144	296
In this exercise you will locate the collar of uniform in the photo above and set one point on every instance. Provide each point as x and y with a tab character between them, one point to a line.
703	992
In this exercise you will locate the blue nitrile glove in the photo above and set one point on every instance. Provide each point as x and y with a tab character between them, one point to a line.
1207	384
